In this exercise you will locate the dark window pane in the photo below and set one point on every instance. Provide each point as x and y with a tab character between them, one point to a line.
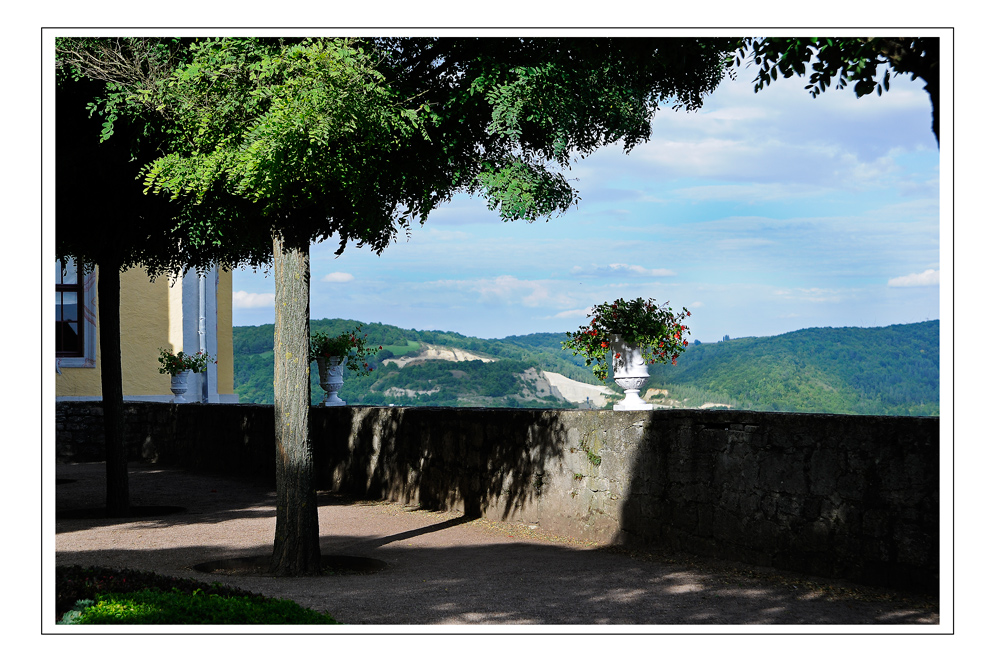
69	291
67	341
69	306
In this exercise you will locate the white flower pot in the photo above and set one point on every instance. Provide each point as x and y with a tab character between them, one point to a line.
330	378
178	385
630	374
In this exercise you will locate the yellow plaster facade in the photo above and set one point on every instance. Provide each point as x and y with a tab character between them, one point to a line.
152	316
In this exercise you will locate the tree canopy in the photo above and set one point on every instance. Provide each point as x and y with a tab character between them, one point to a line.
838	62
271	144
363	138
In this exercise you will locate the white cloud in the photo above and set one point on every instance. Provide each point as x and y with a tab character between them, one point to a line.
699	158
812	294
696	304
243	299
620	269
337	277
506	290
744	243
570	314
750	193
927	278
435	234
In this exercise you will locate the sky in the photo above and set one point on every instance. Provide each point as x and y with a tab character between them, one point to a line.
761	213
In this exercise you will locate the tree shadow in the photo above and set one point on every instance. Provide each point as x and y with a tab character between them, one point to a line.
196	498
518	583
456	571
414	533
472	464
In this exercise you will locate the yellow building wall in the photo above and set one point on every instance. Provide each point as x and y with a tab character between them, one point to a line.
78	382
226	353
145	322
151	317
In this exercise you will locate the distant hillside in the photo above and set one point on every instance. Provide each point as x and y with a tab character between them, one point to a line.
893	370
888	370
500	383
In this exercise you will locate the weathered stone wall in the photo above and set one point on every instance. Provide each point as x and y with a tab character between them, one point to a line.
854	497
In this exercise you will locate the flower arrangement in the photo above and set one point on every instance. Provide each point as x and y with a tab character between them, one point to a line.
656	330
178	363
350	346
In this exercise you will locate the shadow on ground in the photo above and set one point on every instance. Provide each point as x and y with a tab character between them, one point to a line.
443	569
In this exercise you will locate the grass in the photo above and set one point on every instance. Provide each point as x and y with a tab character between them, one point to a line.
95	595
411	347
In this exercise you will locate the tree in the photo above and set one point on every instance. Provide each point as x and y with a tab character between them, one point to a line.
283	142
848	60
103	220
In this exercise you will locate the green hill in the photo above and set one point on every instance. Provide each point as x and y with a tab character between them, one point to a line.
893	370
887	370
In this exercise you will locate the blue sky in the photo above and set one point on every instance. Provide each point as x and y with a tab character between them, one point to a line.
762	213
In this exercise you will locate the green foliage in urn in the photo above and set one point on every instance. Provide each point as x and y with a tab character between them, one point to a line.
349	346
178	363
656	330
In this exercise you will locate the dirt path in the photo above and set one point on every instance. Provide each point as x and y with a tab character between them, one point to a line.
444	570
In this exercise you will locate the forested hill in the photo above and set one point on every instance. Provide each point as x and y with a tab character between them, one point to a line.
893	370
890	370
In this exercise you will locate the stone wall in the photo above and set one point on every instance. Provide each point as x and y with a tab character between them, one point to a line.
854	497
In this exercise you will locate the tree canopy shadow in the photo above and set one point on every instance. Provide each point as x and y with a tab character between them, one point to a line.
431	576
472	463
192	498
522	583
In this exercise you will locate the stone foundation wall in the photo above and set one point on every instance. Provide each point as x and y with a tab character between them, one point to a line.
854	497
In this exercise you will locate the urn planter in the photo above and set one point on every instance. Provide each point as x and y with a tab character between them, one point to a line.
178	385
630	374
330	378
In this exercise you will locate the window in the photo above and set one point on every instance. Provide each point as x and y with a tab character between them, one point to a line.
68	309
75	318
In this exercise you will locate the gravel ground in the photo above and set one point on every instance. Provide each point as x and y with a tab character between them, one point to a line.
442	569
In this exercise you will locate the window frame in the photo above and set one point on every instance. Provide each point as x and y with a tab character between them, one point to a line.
85	289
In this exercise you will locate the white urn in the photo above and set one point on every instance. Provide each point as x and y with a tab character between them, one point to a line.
330	379
178	385
630	373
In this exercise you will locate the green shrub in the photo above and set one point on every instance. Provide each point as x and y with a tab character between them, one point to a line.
134	597
157	607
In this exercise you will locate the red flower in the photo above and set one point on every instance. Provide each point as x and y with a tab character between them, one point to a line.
604	344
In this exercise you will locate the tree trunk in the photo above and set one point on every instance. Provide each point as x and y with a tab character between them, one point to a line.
295	549
112	392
